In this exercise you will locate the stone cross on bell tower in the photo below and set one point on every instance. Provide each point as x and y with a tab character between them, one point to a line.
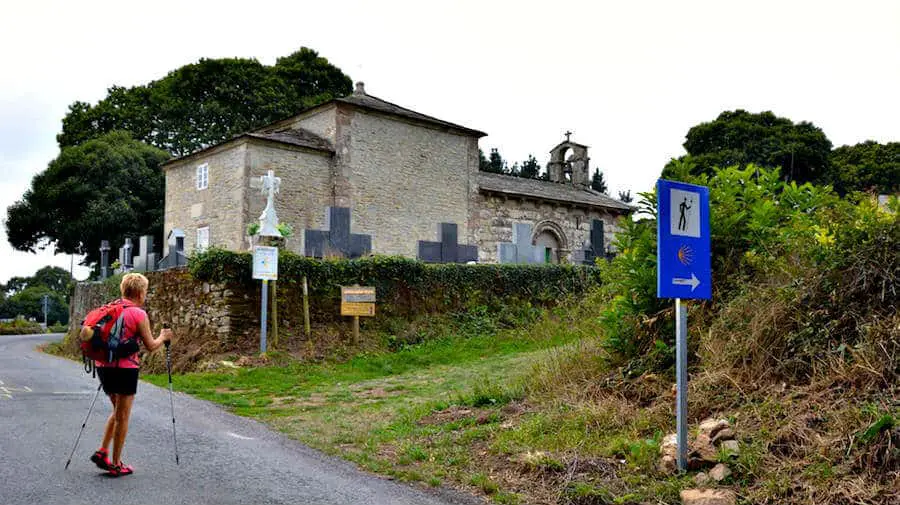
268	220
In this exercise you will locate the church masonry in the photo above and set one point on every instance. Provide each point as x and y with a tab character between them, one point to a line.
401	174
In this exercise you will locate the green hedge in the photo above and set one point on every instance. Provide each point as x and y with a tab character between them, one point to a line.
20	327
404	285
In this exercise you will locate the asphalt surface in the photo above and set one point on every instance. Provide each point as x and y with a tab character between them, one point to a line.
223	458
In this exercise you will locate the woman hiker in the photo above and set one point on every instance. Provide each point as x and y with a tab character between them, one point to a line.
119	379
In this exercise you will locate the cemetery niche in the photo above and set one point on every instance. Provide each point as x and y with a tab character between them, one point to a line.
448	250
336	239
595	248
521	250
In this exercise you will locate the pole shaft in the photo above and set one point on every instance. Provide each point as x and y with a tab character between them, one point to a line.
355	330
263	317
274	314
681	350
306	307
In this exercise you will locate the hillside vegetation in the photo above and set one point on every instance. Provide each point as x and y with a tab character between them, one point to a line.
799	350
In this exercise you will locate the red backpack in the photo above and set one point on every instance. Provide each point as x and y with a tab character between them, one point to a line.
103	335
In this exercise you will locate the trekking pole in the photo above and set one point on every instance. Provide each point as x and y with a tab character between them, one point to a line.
171	400
83	425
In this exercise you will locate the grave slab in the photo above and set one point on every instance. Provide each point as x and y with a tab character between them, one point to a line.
336	238
448	250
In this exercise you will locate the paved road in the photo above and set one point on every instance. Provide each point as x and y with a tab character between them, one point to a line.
224	458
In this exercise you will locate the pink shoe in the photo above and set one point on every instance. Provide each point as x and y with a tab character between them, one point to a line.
120	470
101	459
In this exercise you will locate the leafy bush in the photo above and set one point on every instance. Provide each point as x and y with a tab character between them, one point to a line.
20	327
58	328
831	262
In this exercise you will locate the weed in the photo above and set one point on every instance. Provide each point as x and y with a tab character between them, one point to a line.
584	493
483	482
508	498
415	453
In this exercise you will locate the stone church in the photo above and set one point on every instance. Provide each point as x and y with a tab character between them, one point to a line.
401	174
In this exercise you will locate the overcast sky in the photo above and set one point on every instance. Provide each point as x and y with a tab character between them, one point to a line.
628	78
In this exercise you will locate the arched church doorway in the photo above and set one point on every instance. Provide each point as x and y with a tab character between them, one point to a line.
547	242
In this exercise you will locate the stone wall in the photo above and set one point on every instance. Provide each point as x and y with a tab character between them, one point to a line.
321	122
405	179
305	192
87	296
196	309
220	206
492	218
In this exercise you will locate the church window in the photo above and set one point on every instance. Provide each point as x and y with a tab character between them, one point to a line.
203	176
202	238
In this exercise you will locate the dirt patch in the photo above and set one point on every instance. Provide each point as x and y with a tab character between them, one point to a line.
283	400
313	400
452	414
375	393
228	391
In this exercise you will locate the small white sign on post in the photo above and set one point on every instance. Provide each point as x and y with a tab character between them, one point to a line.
265	268
265	263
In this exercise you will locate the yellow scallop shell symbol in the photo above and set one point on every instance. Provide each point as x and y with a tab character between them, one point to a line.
685	255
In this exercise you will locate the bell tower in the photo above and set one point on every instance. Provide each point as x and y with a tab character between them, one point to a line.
569	164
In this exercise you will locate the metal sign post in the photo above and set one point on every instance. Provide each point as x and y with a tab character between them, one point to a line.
683	272
46	299
265	268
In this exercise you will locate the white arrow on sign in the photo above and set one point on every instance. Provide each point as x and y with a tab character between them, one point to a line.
693	282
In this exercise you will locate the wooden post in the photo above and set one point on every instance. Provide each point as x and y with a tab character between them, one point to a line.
306	308
355	330
275	314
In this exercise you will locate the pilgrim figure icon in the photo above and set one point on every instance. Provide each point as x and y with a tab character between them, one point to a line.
682	208
684	221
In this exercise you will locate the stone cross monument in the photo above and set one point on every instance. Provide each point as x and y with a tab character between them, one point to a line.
268	221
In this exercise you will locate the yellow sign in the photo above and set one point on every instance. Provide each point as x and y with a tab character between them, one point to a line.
357	294
357	309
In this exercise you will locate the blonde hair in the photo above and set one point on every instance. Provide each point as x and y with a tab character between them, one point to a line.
133	285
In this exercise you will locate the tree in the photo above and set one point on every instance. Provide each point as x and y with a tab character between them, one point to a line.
597	182
494	164
207	102
530	168
55	279
868	166
29	304
105	189
625	196
23	295
739	138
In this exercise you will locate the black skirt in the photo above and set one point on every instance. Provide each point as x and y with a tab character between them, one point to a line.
118	381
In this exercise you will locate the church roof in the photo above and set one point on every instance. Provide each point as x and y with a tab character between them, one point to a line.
295	137
363	100
546	190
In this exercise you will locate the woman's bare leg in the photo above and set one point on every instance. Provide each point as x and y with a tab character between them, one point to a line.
123	412
110	424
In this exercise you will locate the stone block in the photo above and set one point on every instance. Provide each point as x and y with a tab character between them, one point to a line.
719	473
723	435
710	427
707	497
701	479
732	447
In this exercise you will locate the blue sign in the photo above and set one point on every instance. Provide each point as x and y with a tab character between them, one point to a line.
682	232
